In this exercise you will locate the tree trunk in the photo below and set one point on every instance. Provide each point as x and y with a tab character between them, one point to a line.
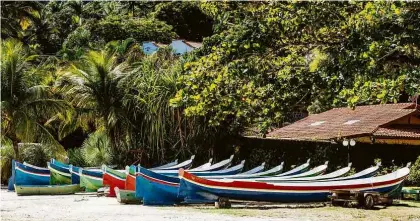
16	148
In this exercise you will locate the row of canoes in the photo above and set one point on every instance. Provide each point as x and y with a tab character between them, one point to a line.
175	182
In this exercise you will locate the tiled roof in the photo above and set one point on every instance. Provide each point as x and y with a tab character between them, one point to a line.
400	132
343	122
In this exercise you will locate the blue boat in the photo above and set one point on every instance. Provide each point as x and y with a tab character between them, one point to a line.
156	189
75	177
159	189
192	186
11	181
30	175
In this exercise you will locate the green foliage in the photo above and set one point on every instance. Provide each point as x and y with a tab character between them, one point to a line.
76	157
7	154
25	104
187	19
414	176
260	61
291	56
96	150
141	29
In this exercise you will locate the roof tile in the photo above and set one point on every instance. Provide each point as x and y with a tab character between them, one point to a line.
343	122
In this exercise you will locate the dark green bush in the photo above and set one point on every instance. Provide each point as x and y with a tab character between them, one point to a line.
414	176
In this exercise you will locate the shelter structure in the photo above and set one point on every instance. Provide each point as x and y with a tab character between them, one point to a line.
384	123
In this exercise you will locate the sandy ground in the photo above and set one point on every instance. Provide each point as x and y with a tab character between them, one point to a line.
92	208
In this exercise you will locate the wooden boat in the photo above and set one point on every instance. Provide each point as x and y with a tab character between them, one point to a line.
126	196
185	165
229	171
159	189
59	175
30	174
332	175
58	163
74	172
311	173
206	165
255	170
91	180
113	179
247	175
369	172
192	186
171	164
24	190
11	180
218	166
156	189
130	180
297	170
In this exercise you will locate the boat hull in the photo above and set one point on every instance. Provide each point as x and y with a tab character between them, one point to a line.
113	180
91	180
191	186
75	177
26	190
26	175
130	182
59	175
158	189
126	196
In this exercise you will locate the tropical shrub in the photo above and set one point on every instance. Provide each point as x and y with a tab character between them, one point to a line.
7	154
96	150
414	177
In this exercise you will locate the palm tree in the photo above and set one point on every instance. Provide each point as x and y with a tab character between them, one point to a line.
25	104
91	87
159	129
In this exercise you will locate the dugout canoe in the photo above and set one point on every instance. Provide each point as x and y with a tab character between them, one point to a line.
74	172
297	170
59	175
319	170
185	165
126	196
113	179
11	180
171	164
27	174
369	172
192	186
332	175
91	180
206	165
58	163
218	166
26	190
130	180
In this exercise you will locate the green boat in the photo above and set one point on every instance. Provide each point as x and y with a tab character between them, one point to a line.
91	180
126	196
59	175
26	190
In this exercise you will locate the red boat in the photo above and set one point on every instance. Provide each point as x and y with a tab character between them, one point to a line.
113	178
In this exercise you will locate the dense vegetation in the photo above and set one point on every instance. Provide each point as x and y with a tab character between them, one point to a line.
74	76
